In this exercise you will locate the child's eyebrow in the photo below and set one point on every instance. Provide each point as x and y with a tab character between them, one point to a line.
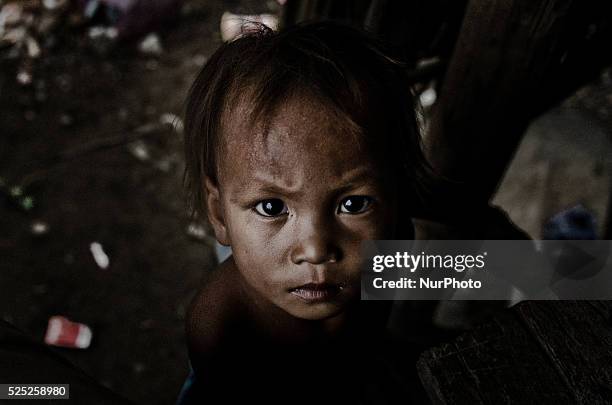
349	180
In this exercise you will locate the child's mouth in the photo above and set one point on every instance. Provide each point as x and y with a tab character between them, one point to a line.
316	292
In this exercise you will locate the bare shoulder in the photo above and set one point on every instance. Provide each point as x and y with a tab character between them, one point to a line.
212	312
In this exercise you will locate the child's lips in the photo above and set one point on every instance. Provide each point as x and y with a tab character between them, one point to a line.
314	292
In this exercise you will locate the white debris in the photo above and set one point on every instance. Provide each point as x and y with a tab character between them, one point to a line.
33	48
24	77
100	31
102	39
54	4
100	257
39	228
173	120
196	231
139	150
13	36
428	97
151	45
10	15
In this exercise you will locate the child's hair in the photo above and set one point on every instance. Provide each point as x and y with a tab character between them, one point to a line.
344	68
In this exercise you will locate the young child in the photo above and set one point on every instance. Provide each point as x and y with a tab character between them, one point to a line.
299	146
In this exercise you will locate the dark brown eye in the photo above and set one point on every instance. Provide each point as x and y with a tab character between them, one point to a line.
271	208
354	204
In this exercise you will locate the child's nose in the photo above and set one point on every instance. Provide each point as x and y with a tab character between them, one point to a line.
316	243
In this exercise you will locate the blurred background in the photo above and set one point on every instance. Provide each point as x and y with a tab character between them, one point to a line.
93	225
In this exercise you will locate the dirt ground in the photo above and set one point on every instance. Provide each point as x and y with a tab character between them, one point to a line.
63	138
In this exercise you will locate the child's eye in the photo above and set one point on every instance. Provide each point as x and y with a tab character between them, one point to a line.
354	204
271	208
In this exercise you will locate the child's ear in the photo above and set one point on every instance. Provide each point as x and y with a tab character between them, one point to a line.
215	211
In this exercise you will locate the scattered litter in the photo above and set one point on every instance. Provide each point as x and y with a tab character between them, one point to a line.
33	48
428	97
27	203
14	36
16	196
39	228
102	31
11	14
54	4
100	257
22	25
132	18
147	128
24	77
139	150
21	200
16	191
173	120
151	45
196	231
102	38
65	333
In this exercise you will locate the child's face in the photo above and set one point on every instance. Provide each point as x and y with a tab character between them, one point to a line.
295	204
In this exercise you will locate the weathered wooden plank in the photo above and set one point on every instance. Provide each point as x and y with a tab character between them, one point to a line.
577	337
498	362
542	351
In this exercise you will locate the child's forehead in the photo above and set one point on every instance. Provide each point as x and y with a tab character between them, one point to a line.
303	135
299	119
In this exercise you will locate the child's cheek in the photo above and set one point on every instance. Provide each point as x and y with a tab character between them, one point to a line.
371	227
258	244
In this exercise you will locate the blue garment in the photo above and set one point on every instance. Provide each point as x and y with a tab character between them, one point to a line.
186	396
576	223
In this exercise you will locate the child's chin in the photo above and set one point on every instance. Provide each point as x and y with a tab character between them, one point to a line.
315	312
